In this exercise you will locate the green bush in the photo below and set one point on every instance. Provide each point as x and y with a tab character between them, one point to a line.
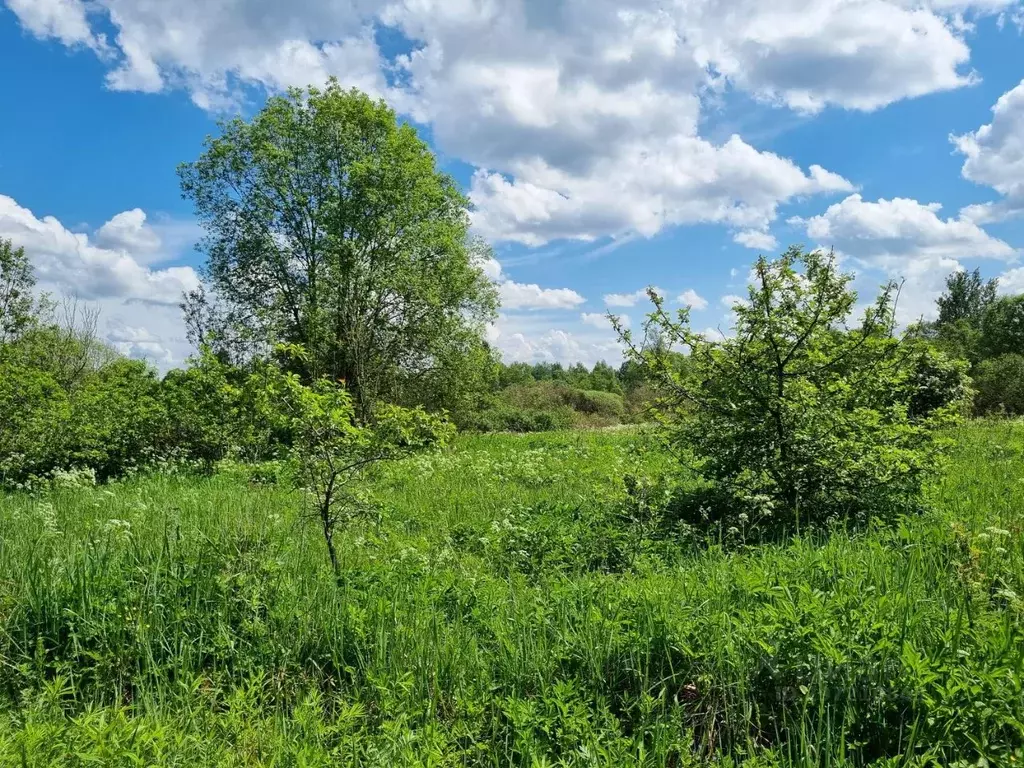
508	418
540	406
118	422
1000	385
936	382
791	421
596	403
201	405
34	414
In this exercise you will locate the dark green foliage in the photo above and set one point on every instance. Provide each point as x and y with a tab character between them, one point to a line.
117	420
936	382
202	406
795	419
548	404
999	382
329	225
17	304
966	299
34	412
503	417
1002	329
596	403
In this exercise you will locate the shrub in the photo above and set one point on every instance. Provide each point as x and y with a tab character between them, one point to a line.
1000	385
508	418
796	419
118	421
34	411
539	406
593	402
937	382
201	405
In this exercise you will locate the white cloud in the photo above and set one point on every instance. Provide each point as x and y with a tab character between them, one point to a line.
901	228
1011	282
129	294
630	299
557	346
65	20
491	267
141	343
714	334
995	158
581	116
624	299
642	189
903	239
128	231
531	296
601	321
693	299
858	54
730	300
752	238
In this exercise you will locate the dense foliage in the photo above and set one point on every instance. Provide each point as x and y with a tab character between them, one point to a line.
328	225
987	330
578	599
513	602
797	418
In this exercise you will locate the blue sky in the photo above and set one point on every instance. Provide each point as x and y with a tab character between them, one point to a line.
606	145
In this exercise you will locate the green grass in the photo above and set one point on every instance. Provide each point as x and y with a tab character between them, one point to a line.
510	604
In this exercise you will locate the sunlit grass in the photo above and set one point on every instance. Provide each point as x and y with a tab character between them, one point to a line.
510	605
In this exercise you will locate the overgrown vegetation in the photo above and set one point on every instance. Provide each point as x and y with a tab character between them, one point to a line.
283	554
513	601
798	418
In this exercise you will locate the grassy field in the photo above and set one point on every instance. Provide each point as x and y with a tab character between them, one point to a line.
512	601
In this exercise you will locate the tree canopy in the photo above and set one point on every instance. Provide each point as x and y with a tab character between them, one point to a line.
797	417
329	225
966	298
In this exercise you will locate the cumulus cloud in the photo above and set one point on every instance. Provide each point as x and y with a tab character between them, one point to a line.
601	321
581	116
1011	282
128	231
730	300
904	239
901	227
65	20
557	345
491	267
641	189
994	157
758	240
862	54
532	296
629	299
102	270
693	300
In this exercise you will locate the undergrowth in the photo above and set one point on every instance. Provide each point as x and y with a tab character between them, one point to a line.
515	601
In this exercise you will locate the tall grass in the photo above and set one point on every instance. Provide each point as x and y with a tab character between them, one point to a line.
513	604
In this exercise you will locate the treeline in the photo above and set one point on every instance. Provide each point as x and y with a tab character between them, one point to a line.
987	330
537	397
331	233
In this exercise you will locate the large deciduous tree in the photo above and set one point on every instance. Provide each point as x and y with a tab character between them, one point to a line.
17	304
329	225
966	298
1002	328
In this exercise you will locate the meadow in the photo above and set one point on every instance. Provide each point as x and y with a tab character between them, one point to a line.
511	600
